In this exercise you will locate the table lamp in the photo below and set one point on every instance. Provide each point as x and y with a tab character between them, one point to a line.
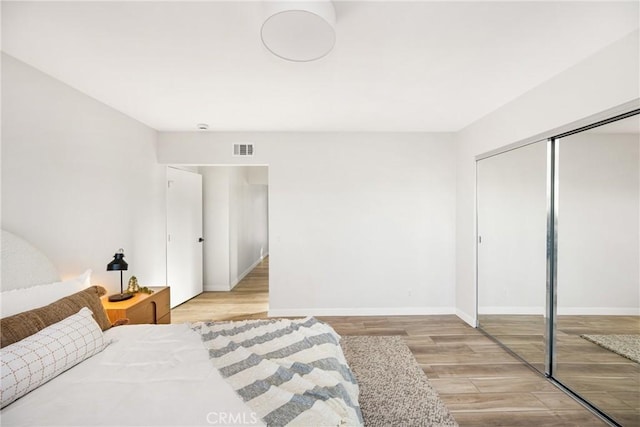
119	264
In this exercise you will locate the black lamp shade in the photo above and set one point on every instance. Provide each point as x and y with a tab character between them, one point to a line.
118	263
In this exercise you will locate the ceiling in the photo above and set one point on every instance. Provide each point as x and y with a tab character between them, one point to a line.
396	66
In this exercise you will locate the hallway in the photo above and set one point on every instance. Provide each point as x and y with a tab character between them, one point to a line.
249	299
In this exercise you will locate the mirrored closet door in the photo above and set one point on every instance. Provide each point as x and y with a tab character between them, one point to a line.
597	348
558	260
512	209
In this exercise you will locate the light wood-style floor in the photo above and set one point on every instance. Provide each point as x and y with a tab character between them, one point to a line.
606	379
481	383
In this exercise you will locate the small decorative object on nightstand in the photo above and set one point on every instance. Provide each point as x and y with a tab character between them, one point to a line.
119	264
133	285
141	308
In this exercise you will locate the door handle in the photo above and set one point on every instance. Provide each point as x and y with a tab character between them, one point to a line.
200	239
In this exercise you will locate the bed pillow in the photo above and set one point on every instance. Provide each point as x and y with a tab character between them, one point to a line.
27	364
19	300
19	326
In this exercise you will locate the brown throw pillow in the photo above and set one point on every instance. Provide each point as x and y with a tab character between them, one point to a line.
19	326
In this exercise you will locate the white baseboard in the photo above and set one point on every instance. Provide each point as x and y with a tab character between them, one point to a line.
379	311
468	319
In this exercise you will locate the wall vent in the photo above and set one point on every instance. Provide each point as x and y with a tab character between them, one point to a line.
243	150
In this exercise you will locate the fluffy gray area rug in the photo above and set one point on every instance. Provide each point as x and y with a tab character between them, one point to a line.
625	345
394	391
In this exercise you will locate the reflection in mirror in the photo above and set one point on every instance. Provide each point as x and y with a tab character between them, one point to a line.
598	275
511	197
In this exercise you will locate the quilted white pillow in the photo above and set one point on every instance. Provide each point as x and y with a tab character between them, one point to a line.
18	300
35	360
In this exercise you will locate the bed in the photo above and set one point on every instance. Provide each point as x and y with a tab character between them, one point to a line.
269	372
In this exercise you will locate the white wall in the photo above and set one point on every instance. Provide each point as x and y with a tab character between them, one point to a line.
79	179
359	223
235	223
598	234
605	80
215	221
257	175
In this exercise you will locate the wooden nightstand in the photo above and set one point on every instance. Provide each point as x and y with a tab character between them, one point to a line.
142	308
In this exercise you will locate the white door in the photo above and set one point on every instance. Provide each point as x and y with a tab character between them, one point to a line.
184	234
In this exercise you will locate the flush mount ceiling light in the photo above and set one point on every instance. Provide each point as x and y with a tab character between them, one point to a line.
299	31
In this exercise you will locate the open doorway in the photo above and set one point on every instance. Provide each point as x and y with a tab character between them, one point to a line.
235	207
235	221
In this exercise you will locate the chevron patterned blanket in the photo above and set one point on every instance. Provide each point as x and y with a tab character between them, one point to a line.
290	372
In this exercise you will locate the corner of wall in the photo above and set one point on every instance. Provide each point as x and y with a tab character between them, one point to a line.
467	318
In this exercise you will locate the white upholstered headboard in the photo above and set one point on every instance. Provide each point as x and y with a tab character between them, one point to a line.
23	265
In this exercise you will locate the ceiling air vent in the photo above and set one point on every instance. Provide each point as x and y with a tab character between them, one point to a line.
243	150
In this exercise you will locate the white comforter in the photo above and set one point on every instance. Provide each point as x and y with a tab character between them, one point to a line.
156	375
